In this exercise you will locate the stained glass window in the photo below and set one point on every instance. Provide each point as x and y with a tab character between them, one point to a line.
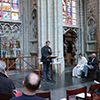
64	12
9	9
69	12
14	16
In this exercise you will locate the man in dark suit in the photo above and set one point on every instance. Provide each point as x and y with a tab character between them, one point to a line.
6	84
46	51
92	64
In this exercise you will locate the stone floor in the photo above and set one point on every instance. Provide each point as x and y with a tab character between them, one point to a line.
58	86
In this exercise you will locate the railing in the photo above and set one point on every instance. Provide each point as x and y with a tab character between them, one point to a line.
12	65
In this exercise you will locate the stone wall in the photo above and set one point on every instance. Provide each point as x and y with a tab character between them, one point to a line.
91	9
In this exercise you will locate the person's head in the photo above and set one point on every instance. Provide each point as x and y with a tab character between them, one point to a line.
32	82
2	66
93	55
47	43
80	55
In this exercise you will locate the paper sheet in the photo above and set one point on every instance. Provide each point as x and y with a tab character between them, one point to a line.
82	95
63	99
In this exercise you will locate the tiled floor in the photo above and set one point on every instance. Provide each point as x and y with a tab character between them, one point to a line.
58	86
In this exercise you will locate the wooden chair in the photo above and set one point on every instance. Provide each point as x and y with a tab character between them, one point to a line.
76	91
46	94
6	96
94	96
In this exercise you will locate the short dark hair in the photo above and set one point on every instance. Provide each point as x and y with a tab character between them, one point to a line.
80	54
47	42
29	85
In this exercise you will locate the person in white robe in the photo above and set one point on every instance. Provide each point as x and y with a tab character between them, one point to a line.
79	67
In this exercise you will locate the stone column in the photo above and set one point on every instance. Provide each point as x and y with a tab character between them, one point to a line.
48	18
39	28
60	34
55	28
25	28
85	26
81	26
21	28
81	36
99	30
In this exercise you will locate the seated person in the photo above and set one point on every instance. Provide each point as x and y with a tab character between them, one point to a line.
92	64
30	84
79	67
6	84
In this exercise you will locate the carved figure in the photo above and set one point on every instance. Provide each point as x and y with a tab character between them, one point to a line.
91	30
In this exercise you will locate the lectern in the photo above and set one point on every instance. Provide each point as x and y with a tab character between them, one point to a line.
51	57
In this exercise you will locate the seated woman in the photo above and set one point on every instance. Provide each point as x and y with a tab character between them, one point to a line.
79	67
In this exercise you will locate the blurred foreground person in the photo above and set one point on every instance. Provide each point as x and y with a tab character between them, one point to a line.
6	84
31	83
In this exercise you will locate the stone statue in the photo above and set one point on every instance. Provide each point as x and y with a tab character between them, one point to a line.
91	30
34	18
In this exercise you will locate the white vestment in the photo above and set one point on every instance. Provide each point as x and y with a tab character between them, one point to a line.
77	71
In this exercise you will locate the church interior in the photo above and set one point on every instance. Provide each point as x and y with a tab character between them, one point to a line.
71	26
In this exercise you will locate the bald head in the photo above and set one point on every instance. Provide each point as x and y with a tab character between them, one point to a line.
32	81
93	55
33	78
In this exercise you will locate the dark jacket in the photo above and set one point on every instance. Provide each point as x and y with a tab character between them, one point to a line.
93	63
45	53
27	97
6	84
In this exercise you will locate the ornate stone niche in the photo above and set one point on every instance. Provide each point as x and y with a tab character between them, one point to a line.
91	30
91	35
33	36
9	35
70	47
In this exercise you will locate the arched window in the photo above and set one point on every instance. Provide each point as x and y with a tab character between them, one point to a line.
9	9
69	12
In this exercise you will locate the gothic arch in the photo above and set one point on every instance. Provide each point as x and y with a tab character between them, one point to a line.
7	29
90	19
15	29
72	33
